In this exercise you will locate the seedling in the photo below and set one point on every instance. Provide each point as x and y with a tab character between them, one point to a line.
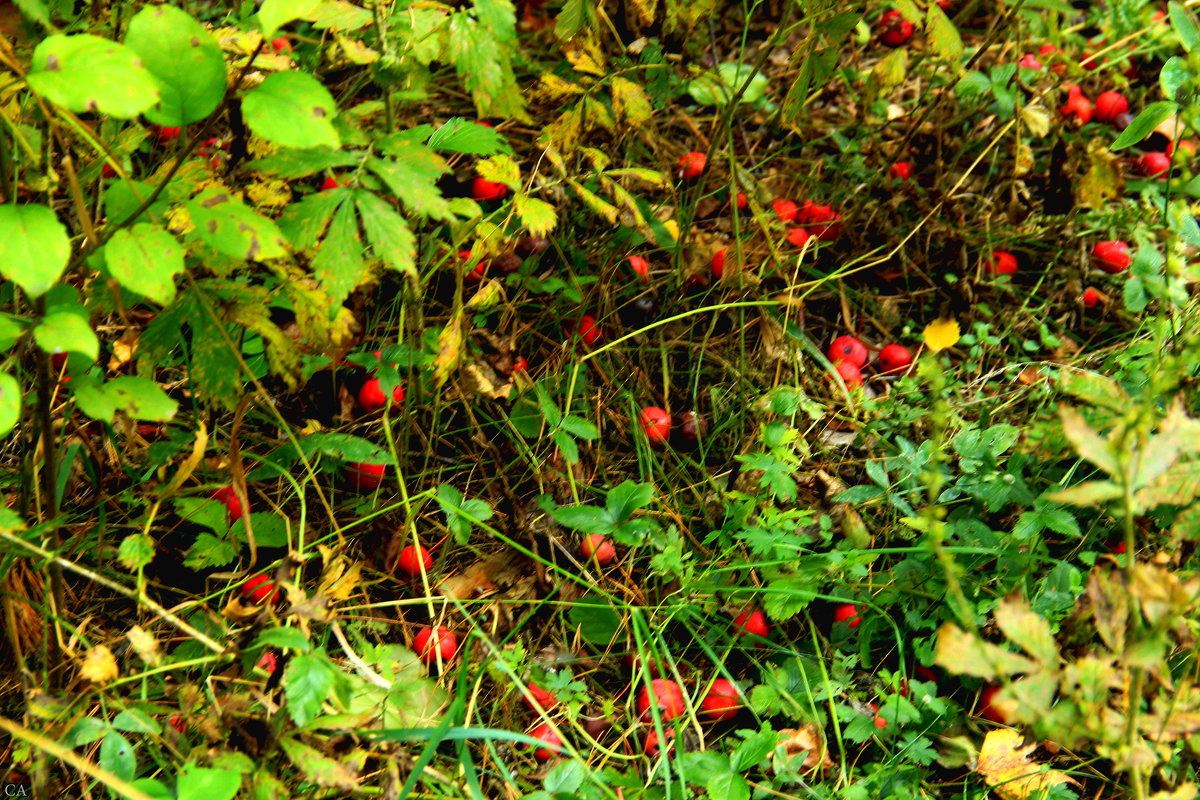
430	642
847	349
599	547
547	735
894	29
1108	106
365	476
690	166
412	558
656	424
1111	256
668	698
894	358
722	700
260	590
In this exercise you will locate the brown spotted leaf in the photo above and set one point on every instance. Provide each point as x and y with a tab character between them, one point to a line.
232	228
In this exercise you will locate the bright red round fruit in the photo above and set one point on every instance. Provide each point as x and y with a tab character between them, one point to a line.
281	45
539	699
167	133
848	350
228	497
485	191
107	171
640	267
848	613
330	182
260	590
588	330
894	29
1077	106
718	263
412	558
722	700
1154	165
1108	105
547	736
987	707
1029	61
851	375
901	171
668	697
268	663
656	423
1111	256
741	201
520	364
690	166
1091	297
372	398
650	743
821	221
1002	263
798	236
599	547
785	209
880	722
751	623
477	273
893	358
365	476
430	642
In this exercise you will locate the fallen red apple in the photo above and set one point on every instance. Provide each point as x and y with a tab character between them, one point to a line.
722	700
432	642
599	547
1111	256
656	424
413	558
893	358
259	590
668	699
848	350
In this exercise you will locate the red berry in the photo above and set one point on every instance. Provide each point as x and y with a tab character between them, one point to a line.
656	423
690	166
599	547
987	707
429	642
785	209
268	663
1108	105
166	134
901	171
330	182
1091	297
893	358
107	170
412	558
751	623
372	398
260	589
1187	150
718	263
722	700
849	350
742	202
640	267
821	221
1119	548
520	364
546	735
1029	61
1154	165
1002	263
851	375
650	744
476	274
365	476
177	722
228	497
848	613
925	673
484	190
880	722
1111	256
798	236
1077	106
588	330
894	29
667	695
281	45
542	700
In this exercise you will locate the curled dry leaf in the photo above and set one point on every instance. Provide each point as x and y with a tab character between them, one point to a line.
807	740
99	665
1005	765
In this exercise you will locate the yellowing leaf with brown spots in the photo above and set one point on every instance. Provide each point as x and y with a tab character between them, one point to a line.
942	333
99	666
536	215
1005	765
630	101
450	347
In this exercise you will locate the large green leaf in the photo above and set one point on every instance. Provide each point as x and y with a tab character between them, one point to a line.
338	265
145	259
293	163
231	227
388	233
274	14
413	176
67	332
184	60
138	398
10	403
34	247
304	222
292	109
87	73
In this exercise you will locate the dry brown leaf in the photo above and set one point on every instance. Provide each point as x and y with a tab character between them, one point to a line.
144	644
808	740
1031	376
99	665
1005	765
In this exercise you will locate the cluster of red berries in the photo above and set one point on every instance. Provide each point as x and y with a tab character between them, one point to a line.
849	355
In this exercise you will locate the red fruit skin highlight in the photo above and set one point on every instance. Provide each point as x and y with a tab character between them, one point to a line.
667	695
228	497
901	171
848	613
485	191
1154	165
430	641
847	350
785	209
588	330
599	547
1111	256
1002	263
365	476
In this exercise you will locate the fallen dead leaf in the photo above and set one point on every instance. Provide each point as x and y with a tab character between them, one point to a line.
807	740
1005	765
99	665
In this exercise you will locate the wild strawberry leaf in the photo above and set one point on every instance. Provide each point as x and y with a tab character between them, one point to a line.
304	222
210	551
274	14
389	234
412	178
10	404
483	58
338	264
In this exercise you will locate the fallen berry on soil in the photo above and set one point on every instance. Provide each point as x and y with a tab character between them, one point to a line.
821	221
281	45
599	547
668	698
371	397
893	358
751	623
531	245
894	29
1108	105
901	171
430	642
851	375
640	267
485	191
741	201
365	476
722	700
1154	165
1091	297
1029	61
785	209
656	424
412	558
1002	263
588	330
849	350
259	590
1111	256
718	264
167	133
268	663
1077	106
798	236
690	166
539	699
650	744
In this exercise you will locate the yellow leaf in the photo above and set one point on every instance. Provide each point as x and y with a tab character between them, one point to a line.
269	194
450	342
630	101
144	644
600	206
1005	765
1036	119
585	56
501	169
552	87
99	666
179	221
356	52
490	293
562	135
941	333
536	215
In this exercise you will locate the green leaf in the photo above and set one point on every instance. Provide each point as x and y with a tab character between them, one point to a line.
565	778
303	223
284	639
412	178
136	551
484	64
134	720
580	428
589	519
729	786
204	783
231	227
1173	77
269	530
67	332
185	61
317	768
574	17
139	398
338	264
345	447
34	247
1145	123
1184	24
210	551
943	36
10	403
1094	389
391	239
750	752
307	683
623	500
459	135
1087	494
117	756
11	329
274	14
1178	486
292	109
300	163
566	445
145	259
596	621
84	73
